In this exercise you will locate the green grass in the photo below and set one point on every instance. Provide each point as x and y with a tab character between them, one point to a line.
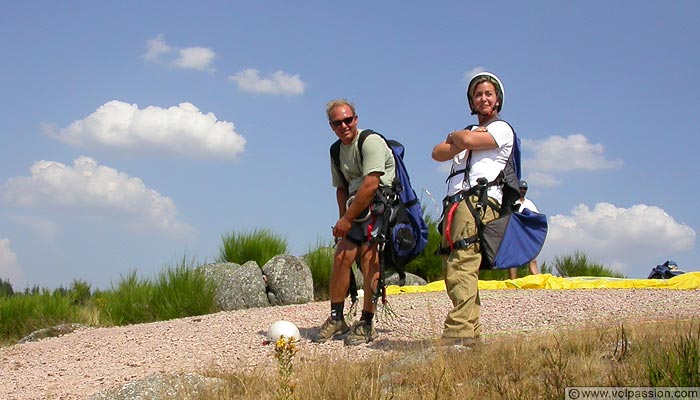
428	265
260	246
320	262
579	265
179	291
22	314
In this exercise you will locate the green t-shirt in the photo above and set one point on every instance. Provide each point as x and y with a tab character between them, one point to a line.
376	157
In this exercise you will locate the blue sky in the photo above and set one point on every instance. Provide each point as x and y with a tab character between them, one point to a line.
137	133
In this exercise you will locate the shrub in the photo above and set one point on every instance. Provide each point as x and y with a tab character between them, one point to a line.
260	246
428	265
679	365
22	314
182	292
579	265
79	292
320	262
6	288
178	292
128	302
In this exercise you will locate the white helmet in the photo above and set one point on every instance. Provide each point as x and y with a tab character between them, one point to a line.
485	77
282	328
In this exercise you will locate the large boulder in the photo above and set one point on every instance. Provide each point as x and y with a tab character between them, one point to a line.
237	286
289	281
160	386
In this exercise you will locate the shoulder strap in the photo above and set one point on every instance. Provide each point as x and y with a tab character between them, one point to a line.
335	157
464	171
363	136
514	154
335	150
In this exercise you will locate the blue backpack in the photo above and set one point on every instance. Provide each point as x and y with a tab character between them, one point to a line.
667	270
514	238
406	233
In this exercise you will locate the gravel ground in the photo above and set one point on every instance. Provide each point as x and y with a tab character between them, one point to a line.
92	360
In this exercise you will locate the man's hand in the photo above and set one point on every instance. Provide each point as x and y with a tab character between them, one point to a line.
341	228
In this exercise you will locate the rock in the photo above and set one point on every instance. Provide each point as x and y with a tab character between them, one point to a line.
391	278
54	331
237	286
162	386
289	280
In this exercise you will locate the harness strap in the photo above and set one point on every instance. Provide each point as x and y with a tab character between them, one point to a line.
370	227
458	245
482	202
448	226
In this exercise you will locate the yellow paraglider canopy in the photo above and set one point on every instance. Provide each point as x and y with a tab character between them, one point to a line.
687	281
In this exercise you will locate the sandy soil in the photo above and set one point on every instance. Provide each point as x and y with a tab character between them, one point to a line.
91	360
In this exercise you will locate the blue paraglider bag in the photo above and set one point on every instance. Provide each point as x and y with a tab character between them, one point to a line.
667	270
512	240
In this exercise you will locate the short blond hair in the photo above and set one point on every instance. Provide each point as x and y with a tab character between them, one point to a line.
337	103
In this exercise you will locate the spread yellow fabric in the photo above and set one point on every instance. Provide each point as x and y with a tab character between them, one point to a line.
687	281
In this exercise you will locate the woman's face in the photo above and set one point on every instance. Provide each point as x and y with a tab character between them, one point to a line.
485	98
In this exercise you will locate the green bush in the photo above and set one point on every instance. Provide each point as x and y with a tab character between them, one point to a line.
178	292
182	292
79	292
6	288
428	265
22	314
129	301
320	262
580	265
260	245
679	366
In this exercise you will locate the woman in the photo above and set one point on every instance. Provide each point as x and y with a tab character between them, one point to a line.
478	153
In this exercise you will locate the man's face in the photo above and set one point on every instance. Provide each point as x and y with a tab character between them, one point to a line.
523	191
344	123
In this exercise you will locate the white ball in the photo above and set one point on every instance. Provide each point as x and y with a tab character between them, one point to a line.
282	328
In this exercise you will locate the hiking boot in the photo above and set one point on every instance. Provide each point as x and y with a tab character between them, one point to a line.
360	333
330	329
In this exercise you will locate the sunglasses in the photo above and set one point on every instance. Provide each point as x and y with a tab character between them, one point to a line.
346	121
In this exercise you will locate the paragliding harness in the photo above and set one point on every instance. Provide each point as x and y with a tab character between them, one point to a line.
667	270
510	240
404	232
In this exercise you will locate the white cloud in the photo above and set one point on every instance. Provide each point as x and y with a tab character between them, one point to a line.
156	48
90	189
570	153
195	58
634	239
198	58
280	82
180	130
540	179
10	268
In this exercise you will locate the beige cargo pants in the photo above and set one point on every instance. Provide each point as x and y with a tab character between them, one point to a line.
461	271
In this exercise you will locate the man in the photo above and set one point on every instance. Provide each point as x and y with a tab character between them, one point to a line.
525	203
478	153
359	182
